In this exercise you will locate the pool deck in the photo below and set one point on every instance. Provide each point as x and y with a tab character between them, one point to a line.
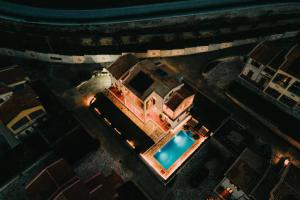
151	161
160	137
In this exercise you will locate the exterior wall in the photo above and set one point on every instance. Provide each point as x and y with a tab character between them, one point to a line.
22	114
78	59
236	194
5	96
184	105
159	102
256	71
282	90
181	112
177	121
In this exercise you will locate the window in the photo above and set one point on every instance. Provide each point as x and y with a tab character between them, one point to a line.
255	64
295	88
36	114
55	58
250	74
282	80
272	92
20	123
287	101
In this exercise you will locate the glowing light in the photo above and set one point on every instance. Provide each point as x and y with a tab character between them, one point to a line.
163	156
117	131
179	140
97	111
286	162
107	121
130	143
86	101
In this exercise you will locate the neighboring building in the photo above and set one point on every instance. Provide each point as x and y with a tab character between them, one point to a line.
58	181
274	68
5	93
151	91
11	78
21	111
253	177
288	187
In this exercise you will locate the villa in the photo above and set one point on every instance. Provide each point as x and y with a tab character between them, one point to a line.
149	107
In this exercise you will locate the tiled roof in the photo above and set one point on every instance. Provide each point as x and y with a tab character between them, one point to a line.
48	182
122	65
21	100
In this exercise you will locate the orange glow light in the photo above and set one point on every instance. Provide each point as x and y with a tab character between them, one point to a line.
88	100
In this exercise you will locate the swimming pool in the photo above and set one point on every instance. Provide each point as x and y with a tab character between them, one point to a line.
172	151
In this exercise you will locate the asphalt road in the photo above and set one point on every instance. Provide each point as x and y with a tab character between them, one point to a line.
21	13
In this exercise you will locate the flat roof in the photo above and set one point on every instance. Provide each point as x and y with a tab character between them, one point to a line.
120	121
141	82
285	122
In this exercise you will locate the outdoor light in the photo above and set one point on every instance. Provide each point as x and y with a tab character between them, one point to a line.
286	162
179	140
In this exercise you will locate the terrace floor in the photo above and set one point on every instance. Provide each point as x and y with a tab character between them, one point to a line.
150	128
150	160
154	127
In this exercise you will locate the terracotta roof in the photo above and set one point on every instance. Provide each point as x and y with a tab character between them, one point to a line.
247	171
288	187
75	191
11	75
48	182
20	100
122	65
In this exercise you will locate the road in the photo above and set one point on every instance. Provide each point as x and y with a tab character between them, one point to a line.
21	13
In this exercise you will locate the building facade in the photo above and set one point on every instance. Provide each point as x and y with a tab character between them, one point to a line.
274	68
20	107
151	92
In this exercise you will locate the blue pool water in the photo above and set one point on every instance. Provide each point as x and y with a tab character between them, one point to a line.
169	153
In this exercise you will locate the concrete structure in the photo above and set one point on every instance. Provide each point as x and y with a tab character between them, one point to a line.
274	68
105	58
21	111
243	176
149	107
11	78
151	91
253	177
